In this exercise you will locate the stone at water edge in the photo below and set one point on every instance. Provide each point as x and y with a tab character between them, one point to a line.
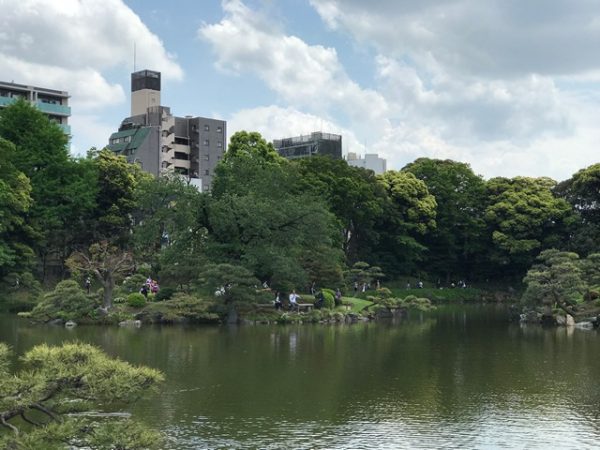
70	324
570	321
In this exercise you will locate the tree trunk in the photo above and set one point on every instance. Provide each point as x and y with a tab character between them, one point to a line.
108	284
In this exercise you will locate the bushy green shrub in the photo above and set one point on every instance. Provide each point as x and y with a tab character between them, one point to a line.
164	293
67	301
181	308
328	299
420	304
136	300
383	292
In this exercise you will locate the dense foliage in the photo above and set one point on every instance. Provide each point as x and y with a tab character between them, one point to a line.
36	402
268	221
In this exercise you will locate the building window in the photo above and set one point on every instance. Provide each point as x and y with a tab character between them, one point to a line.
206	172
219	144
206	128
206	157
219	129
206	142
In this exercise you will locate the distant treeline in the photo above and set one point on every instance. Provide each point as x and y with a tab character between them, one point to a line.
289	223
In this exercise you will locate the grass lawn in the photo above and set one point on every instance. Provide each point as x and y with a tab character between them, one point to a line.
357	303
450	295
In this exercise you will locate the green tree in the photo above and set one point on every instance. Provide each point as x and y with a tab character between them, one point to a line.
170	230
35	402
15	201
582	191
257	218
361	272
61	192
457	244
523	218
108	264
230	284
555	281
353	195
410	214
116	200
67	301
590	267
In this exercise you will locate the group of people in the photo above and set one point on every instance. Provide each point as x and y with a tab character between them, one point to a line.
293	299
150	286
364	287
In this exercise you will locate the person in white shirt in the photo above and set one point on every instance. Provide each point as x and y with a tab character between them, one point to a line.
294	300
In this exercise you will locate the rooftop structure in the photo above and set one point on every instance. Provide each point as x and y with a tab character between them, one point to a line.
314	144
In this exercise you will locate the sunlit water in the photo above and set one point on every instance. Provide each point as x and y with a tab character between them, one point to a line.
458	378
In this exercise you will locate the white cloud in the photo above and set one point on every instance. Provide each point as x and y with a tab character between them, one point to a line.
306	76
70	45
87	87
495	38
94	34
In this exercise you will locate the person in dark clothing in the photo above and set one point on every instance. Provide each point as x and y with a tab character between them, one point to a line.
319	300
144	291
277	302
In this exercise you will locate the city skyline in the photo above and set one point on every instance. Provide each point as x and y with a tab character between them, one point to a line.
509	87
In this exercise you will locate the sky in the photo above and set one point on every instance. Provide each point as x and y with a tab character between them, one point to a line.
511	87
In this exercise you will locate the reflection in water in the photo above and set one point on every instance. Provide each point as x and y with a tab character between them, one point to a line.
458	378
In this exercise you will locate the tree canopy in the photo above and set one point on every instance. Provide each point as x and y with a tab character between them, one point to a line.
75	377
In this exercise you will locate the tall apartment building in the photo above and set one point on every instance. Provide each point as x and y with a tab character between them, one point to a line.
371	161
53	103
162	143
314	144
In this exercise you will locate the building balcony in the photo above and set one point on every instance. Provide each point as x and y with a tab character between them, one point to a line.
5	101
53	108
66	128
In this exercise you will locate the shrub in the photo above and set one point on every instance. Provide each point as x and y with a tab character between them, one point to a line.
383	292
181	308
164	294
136	300
67	301
328	299
420	304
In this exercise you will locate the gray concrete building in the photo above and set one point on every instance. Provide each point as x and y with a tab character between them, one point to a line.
53	103
371	161
314	144
163	143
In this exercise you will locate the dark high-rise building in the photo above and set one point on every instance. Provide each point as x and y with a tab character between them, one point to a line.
314	144
163	143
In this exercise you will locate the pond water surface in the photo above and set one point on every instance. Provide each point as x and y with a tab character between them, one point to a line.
461	377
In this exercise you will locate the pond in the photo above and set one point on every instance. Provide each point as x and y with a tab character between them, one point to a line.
460	377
